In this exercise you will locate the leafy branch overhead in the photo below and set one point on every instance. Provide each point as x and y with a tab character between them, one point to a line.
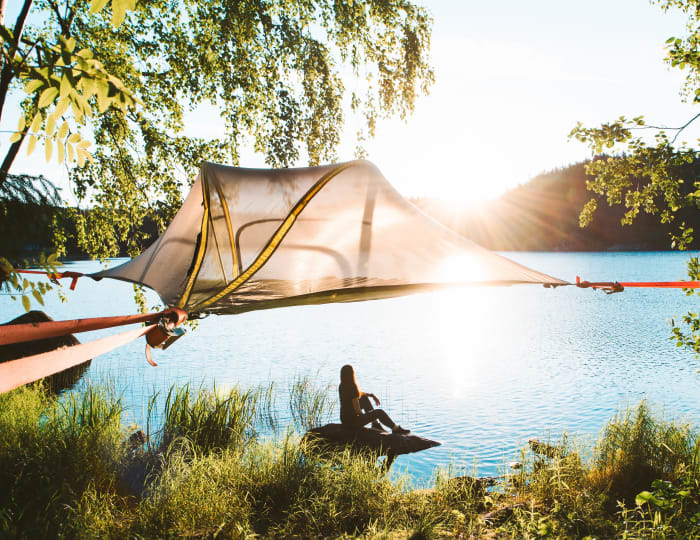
120	78
281	76
58	80
653	174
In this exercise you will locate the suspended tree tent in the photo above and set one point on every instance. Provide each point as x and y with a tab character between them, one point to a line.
249	239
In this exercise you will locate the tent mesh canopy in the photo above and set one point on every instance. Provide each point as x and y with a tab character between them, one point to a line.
249	239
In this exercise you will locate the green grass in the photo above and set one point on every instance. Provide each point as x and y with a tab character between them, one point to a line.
67	471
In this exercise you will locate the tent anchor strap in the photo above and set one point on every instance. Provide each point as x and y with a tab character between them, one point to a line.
611	287
160	331
55	276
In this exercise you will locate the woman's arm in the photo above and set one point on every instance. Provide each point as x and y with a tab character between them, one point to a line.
356	405
375	398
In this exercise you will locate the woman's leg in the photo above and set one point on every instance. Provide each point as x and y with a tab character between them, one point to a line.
373	415
366	406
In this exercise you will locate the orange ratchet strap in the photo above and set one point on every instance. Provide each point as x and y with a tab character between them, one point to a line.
15	373
19	333
610	287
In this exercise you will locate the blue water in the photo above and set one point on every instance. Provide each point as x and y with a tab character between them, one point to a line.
480	369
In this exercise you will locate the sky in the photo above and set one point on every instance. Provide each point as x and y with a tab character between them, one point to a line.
512	80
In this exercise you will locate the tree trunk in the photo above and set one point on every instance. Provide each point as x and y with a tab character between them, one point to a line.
9	159
6	76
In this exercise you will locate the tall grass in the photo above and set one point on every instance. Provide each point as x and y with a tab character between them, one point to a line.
638	447
309	405
209	419
52	450
66	471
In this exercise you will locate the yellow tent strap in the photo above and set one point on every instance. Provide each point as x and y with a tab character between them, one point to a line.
202	243
276	239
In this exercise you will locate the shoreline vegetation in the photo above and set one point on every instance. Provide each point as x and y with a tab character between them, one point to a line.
70	468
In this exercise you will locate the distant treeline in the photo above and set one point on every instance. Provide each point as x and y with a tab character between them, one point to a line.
543	215
27	229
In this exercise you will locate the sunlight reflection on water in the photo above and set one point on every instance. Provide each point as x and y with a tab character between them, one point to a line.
480	369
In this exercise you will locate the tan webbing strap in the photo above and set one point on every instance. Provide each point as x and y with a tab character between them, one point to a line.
15	373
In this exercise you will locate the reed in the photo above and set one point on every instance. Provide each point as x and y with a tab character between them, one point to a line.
209	420
310	406
638	447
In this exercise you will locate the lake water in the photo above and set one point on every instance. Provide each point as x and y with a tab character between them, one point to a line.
480	369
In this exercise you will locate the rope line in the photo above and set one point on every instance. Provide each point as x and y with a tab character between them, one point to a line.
55	276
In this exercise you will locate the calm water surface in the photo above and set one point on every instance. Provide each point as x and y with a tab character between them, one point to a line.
480	369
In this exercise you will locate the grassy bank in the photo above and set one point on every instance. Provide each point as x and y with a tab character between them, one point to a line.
69	468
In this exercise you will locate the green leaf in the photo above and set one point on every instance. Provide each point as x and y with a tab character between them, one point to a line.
643	497
85	54
50	124
70	44
63	130
61	152
82	154
36	123
48	149
66	85
25	302
88	86
31	144
119	8
97	5
102	95
47	96
62	105
33	85
38	297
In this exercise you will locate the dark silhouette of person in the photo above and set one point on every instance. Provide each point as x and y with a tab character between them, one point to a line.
356	409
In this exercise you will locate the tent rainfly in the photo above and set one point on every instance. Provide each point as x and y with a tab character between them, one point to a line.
249	239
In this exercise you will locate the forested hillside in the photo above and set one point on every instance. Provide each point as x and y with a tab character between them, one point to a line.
542	215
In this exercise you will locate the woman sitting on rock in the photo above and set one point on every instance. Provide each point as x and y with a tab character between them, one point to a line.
356	409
